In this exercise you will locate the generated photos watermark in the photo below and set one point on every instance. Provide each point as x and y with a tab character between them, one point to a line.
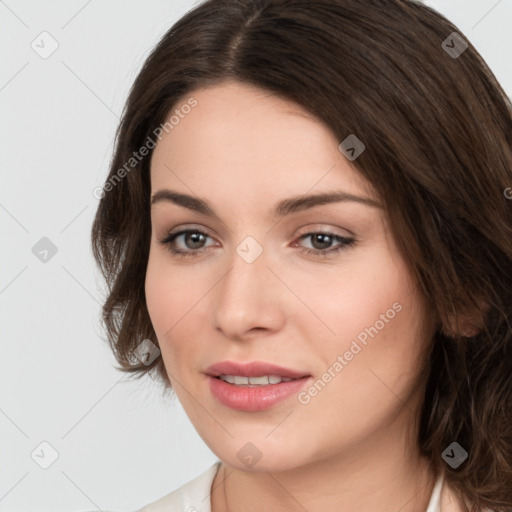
144	150
305	397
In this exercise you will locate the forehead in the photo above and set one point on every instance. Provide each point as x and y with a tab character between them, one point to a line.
248	139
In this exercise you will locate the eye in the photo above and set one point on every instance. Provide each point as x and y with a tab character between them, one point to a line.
321	239
193	239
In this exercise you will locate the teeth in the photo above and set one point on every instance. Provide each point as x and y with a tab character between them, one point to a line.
264	380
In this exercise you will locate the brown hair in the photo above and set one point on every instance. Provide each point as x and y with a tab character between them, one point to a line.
437	127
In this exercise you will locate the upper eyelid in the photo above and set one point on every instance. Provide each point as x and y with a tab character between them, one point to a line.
307	231
326	226
185	229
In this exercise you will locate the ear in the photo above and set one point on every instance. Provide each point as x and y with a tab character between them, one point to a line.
467	325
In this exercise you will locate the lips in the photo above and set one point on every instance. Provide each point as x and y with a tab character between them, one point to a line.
244	397
253	369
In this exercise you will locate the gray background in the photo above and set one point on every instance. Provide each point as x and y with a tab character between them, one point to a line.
120	444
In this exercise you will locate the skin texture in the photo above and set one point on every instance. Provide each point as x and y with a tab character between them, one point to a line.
352	447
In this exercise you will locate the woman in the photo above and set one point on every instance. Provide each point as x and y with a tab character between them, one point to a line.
306	233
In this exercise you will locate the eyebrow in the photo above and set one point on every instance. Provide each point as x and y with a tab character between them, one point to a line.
283	208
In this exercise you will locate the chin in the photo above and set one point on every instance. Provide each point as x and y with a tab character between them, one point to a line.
260	456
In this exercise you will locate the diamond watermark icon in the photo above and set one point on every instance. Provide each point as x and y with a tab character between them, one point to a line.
249	249
249	454
454	45
44	455
146	352
351	147
454	455
44	250
44	45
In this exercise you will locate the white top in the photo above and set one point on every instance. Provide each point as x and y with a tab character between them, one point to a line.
194	496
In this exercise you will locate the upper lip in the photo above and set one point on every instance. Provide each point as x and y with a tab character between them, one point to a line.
252	369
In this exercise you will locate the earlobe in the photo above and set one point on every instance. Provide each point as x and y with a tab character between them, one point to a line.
466	329
467	325
470	331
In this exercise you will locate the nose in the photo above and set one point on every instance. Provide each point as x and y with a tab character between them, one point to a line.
250	299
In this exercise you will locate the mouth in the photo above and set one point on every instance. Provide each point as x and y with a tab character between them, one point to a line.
263	380
254	386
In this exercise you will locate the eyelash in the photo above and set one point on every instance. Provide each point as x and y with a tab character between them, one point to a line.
346	243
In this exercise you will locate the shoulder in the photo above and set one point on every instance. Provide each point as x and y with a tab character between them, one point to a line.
194	496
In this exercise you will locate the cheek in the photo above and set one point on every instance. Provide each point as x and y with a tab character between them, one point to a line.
375	317
158	299
372	381
352	296
173	297
169	292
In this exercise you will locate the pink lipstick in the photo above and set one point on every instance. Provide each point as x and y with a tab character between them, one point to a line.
254	386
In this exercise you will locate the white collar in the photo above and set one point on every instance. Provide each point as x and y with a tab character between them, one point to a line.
434	504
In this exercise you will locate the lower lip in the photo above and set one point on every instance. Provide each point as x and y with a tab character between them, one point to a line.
253	399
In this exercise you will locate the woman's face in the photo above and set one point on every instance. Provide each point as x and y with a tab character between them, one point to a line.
316	288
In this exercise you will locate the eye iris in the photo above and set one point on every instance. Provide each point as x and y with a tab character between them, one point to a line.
196	238
323	239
